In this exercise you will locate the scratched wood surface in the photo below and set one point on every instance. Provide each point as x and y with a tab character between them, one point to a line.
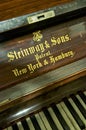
10	9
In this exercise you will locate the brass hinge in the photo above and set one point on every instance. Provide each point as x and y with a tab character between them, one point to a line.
41	16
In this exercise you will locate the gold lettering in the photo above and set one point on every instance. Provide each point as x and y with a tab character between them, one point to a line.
32	67
11	56
45	62
60	39
66	54
20	72
56	58
63	39
54	41
71	53
26	52
42	47
67	38
22	52
52	60
37	48
31	50
19	55
42	55
15	71
16	57
61	56
47	45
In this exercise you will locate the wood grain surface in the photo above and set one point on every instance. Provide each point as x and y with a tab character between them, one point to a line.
14	8
41	18
14	55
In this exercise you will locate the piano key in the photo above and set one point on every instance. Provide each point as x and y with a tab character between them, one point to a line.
81	108
81	101
42	126
50	120
83	97
85	93
19	124
71	118
65	117
60	118
77	111
15	127
25	125
9	128
35	123
30	124
45	121
55	119
73	112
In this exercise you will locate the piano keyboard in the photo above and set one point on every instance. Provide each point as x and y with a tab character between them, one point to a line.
69	114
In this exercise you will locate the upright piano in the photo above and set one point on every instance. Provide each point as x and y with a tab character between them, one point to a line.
43	65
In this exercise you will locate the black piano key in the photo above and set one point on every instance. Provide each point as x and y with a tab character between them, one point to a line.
60	118
15	127
50	120
74	114
83	97
35	123
81	108
84	93
25	125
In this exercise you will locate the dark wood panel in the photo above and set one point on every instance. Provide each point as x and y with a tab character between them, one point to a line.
36	54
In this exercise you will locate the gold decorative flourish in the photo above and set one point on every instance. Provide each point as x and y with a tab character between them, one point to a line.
37	36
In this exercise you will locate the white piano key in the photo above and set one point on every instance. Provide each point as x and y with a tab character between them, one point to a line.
40	122
81	101
85	93
70	116
65	117
77	111
45	121
30	124
55	119
20	127
9	128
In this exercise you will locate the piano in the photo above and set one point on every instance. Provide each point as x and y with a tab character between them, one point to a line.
43	65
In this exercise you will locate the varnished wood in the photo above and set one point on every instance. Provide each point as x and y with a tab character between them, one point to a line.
69	82
8	78
40	85
30	96
61	12
14	8
36	104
